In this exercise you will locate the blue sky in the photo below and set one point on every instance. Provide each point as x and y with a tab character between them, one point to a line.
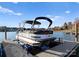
13	13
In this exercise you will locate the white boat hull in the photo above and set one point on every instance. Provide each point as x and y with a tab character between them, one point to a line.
35	37
32	38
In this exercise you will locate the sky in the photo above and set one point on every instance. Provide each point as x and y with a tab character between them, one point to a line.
13	13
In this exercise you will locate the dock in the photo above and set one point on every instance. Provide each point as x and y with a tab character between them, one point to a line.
62	50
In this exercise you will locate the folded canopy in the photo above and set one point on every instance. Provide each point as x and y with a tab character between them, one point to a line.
44	18
31	22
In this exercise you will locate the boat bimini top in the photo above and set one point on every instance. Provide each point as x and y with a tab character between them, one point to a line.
31	22
45	18
39	30
35	22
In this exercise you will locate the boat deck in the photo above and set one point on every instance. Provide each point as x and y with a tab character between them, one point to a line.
61	50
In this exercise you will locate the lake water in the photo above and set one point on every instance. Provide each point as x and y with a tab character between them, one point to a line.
10	36
64	36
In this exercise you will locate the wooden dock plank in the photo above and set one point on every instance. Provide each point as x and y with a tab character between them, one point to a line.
58	51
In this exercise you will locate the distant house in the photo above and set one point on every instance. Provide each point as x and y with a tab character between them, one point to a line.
77	23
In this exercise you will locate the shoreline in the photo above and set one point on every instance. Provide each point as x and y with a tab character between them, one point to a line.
66	31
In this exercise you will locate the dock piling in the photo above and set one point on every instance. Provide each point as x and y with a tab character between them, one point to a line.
76	32
5	34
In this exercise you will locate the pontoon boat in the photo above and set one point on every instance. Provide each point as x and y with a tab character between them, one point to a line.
34	36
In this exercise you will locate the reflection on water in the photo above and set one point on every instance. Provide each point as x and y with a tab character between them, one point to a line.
12	35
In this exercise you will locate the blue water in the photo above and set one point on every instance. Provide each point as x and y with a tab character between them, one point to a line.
64	36
10	36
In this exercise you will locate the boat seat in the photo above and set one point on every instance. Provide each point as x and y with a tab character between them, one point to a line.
41	31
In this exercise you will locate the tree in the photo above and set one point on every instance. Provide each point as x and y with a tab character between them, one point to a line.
65	26
69	25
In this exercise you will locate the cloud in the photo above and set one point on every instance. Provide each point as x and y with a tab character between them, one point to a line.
18	14
50	16
53	17
9	11
15	2
57	20
67	12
